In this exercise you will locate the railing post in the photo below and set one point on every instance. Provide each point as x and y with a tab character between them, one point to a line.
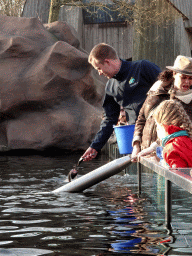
139	177
116	152
168	203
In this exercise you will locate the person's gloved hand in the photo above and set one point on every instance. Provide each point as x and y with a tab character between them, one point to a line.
145	152
148	150
89	154
136	150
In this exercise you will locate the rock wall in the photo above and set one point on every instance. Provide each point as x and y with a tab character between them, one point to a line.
49	96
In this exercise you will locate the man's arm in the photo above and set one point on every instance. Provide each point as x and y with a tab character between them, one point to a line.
110	118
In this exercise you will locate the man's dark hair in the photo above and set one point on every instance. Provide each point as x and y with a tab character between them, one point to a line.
101	52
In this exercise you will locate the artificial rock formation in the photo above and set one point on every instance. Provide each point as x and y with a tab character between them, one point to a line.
49	96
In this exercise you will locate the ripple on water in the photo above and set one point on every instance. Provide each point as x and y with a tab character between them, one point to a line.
107	218
23	252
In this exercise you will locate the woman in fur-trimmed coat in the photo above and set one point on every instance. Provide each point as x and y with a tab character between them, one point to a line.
175	83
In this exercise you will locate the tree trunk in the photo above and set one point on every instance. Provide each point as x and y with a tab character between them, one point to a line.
54	10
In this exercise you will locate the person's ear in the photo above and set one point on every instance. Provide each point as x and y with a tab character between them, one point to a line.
107	61
174	74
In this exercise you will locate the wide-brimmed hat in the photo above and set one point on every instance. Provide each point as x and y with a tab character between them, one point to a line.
182	65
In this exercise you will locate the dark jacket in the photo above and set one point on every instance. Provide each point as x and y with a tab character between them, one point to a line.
127	89
145	127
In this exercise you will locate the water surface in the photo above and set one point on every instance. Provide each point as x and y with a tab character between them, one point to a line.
106	219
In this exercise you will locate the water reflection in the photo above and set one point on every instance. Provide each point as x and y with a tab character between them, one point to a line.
131	227
106	219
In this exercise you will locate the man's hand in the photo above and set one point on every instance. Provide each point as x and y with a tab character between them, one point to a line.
89	154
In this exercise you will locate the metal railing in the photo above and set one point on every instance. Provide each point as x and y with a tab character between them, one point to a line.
181	177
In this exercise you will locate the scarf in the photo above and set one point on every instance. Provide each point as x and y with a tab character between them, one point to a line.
185	97
174	135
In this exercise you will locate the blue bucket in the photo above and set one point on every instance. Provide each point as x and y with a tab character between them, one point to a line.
124	135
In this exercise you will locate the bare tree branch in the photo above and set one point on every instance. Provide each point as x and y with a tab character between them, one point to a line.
142	12
12	7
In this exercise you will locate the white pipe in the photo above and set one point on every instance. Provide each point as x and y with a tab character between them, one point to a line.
96	176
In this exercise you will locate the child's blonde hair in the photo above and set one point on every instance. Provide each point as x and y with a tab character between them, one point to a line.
171	112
